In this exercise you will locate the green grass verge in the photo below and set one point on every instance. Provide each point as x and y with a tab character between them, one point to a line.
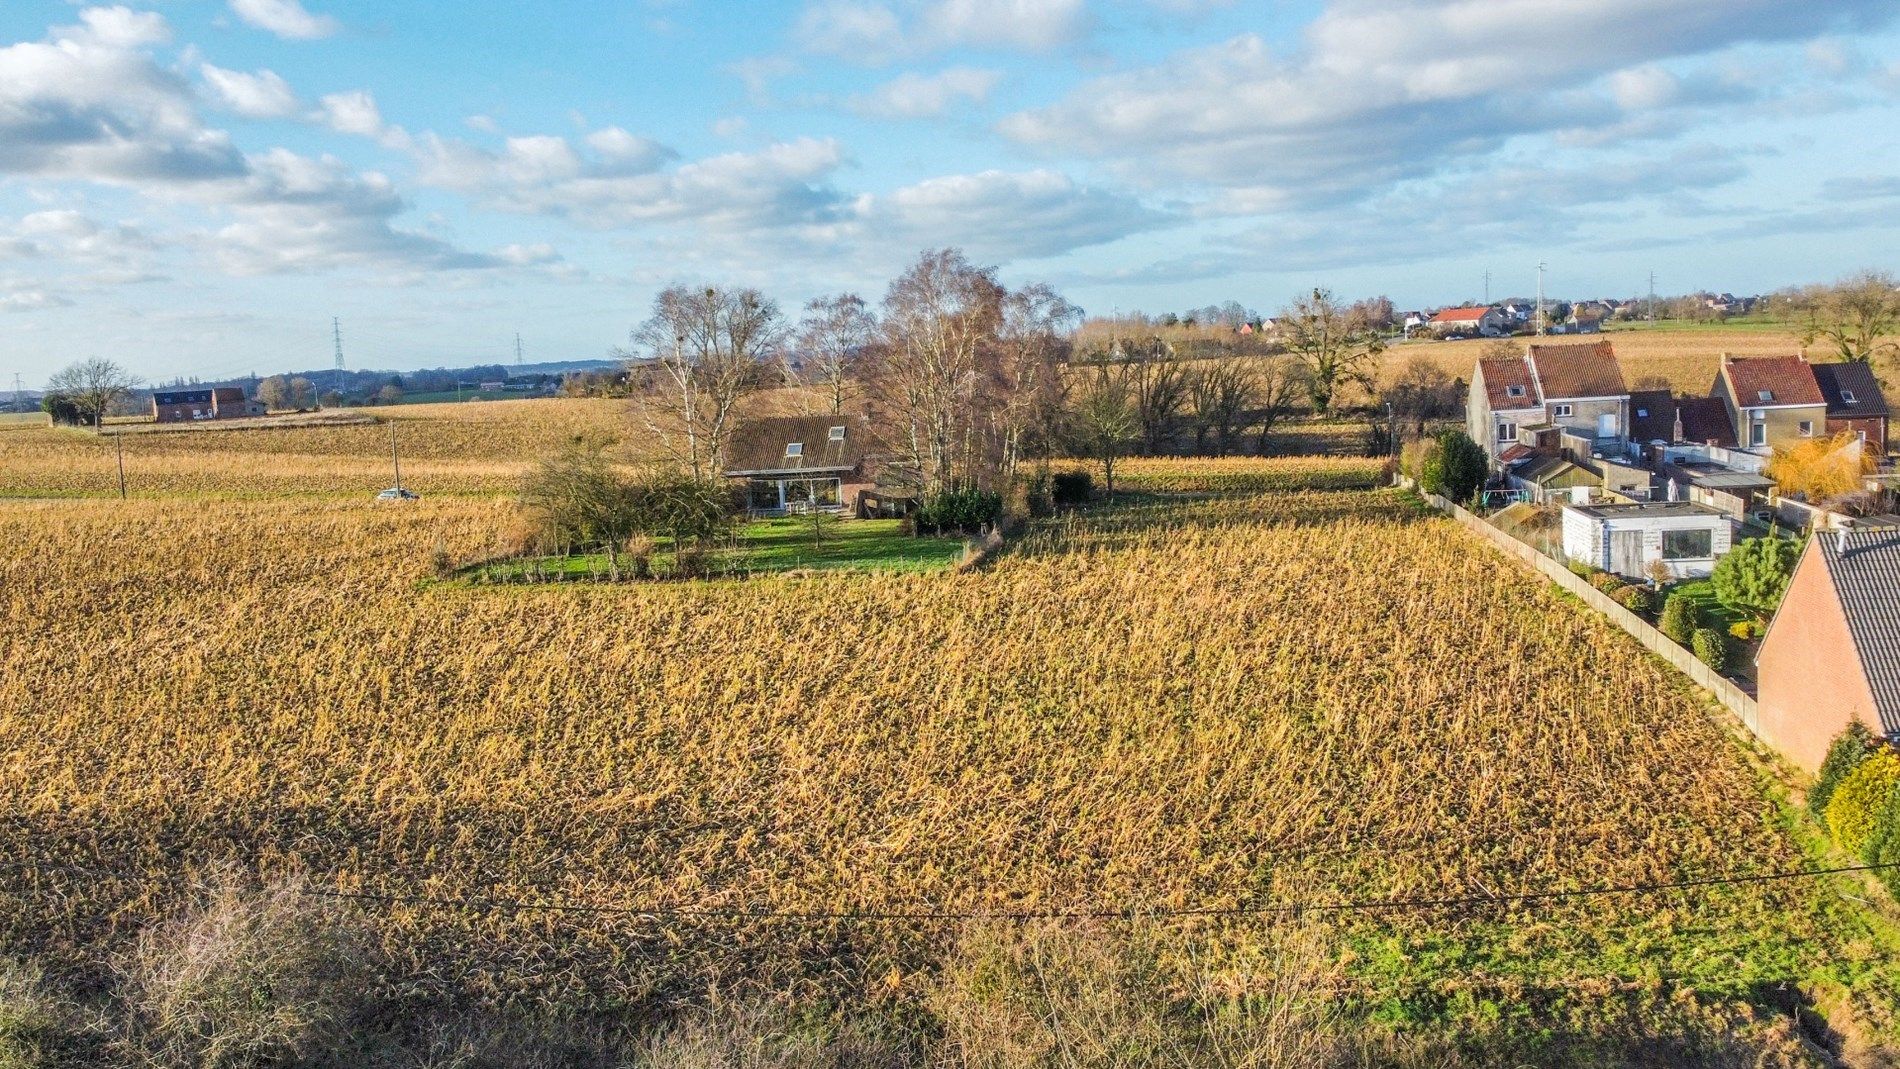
766	546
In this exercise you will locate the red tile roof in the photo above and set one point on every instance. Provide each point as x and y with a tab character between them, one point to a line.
1502	373
1578	370
1518	451
1705	421
1460	315
1772	380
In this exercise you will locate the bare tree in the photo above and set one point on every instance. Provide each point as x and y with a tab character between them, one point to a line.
1280	381
833	333
1854	316
1335	344
1104	420
1421	391
939	317
1220	394
705	349
1032	345
93	385
1161	387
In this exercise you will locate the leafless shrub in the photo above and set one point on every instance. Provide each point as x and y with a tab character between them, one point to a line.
243	977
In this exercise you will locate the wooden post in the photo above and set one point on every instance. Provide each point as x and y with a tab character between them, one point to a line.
119	440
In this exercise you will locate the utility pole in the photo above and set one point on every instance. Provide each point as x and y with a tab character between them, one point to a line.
1487	287
517	348
19	394
336	333
1539	325
1652	298
394	460
119	439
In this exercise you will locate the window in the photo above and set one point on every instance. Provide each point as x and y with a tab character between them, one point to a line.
1561	411
1688	545
1507	432
794	449
1514	391
1642	413
837	434
1847	398
1807	428
1758	432
1765	395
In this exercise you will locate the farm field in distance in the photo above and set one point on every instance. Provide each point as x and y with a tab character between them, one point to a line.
1253	685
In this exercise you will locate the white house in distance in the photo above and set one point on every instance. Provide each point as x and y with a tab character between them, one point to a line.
1630	539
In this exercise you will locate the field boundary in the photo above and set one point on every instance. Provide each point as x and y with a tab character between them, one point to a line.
1737	700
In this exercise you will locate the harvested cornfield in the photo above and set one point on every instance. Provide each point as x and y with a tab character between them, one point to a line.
1265	699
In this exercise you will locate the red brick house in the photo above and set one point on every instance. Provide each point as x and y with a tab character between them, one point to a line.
1832	655
1855	404
802	463
185	406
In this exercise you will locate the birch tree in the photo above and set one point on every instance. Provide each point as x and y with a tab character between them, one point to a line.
705	348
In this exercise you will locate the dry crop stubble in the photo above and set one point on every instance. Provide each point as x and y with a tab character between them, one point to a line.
1256	697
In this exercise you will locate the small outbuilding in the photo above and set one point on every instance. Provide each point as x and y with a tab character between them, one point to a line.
1631	539
1832	654
802	463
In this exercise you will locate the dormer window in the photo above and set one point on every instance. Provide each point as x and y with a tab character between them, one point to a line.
794	449
1765	395
837	434
1514	391
1847	398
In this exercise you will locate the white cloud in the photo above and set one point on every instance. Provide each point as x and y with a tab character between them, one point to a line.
927	96
285	18
352	112
121	27
1004	215
1383	90
260	95
31	299
866	31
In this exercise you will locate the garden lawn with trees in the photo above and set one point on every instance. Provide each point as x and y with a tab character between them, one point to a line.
781	544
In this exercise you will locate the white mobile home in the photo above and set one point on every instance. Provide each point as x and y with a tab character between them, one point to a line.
1630	539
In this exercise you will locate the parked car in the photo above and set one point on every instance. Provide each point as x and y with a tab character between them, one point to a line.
397	493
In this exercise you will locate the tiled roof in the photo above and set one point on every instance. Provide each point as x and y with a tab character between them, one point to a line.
1772	380
1857	379
1500	374
1865	567
762	445
1517	451
1460	315
1652	416
1567	371
1705	421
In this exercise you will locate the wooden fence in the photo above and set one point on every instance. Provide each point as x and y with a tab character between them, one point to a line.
1725	690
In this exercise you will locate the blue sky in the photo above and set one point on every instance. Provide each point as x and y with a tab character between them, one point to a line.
194	187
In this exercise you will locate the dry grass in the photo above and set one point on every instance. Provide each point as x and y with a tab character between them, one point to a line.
1254	699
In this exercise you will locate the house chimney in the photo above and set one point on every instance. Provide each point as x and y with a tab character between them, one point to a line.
1840	538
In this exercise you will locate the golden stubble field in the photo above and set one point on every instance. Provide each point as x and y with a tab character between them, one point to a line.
1268	697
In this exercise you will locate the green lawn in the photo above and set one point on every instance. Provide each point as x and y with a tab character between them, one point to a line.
775	545
1711	611
1743	323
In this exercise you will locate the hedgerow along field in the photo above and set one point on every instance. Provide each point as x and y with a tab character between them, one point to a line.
1260	685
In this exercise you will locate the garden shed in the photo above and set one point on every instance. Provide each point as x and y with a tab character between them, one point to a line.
1630	539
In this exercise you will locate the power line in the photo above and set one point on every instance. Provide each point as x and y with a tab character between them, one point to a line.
517	348
916	914
336	332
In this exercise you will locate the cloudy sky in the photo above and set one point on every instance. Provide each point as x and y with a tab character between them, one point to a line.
194	187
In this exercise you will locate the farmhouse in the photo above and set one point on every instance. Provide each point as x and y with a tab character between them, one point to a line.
802	463
1576	389
1486	321
1832	655
1855	404
1631	539
1770	400
184	406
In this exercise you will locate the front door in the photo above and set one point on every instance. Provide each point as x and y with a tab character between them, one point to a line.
1626	552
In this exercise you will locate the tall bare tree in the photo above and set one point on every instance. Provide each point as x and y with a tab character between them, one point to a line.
1857	316
1280	381
705	347
834	332
1220	395
1418	393
940	317
93	385
1104	421
1335	344
1032	346
1161	387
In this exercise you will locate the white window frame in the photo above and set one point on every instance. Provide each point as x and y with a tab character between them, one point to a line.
1807	428
795	449
1514	391
1507	432
1765	396
836	434
1847	398
1757	430
1664	548
1560	411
